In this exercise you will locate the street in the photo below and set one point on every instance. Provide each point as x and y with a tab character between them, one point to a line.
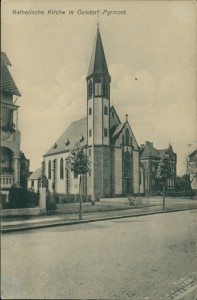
132	258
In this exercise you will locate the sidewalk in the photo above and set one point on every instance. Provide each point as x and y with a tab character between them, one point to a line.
29	223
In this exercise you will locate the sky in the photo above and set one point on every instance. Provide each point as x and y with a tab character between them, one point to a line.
151	56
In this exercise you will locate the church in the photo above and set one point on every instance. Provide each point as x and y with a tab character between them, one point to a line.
115	168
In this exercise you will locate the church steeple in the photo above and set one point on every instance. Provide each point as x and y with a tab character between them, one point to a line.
98	122
98	64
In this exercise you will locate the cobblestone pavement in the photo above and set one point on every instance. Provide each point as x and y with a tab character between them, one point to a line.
183	288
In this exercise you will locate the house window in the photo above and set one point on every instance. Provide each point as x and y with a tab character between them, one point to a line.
112	114
105	132
89	152
127	136
89	172
105	110
90	132
97	87
61	169
106	162
90	89
49	169
90	110
32	183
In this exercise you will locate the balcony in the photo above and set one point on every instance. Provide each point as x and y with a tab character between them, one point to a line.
6	181
7	171
9	128
9	106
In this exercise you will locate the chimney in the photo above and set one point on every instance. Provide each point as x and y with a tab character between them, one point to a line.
149	143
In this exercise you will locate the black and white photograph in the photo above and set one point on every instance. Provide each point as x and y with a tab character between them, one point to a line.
98	149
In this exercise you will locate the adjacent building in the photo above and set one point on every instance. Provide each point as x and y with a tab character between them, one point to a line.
110	143
36	180
192	169
150	157
10	135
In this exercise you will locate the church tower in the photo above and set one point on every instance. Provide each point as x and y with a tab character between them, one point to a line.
98	119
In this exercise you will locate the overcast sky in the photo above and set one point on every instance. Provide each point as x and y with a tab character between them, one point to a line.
154	42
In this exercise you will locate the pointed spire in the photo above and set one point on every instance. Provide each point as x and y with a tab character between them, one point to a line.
98	64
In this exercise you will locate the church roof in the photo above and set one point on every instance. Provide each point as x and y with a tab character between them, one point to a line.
74	133
7	83
98	64
117	129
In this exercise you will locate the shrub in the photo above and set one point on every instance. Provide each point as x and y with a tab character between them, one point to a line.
21	198
56	198
32	198
73	198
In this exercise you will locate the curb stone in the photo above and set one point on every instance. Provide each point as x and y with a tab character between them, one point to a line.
75	222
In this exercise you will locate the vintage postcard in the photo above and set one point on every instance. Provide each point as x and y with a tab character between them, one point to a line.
98	140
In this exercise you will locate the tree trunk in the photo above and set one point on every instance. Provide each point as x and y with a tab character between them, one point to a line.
191	191
80	206
164	195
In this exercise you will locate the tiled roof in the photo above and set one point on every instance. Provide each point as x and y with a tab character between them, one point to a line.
7	82
98	64
5	59
35	175
70	136
149	151
193	153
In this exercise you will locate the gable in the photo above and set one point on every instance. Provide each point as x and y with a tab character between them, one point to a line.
193	156
114	119
120	133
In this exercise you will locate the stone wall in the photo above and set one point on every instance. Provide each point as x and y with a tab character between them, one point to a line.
23	212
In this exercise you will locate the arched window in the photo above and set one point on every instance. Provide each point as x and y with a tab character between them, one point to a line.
106	89
49	169
123	139
90	89
127	136
97	87
61	169
127	165
105	132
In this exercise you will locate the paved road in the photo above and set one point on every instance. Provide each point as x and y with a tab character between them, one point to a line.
133	258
